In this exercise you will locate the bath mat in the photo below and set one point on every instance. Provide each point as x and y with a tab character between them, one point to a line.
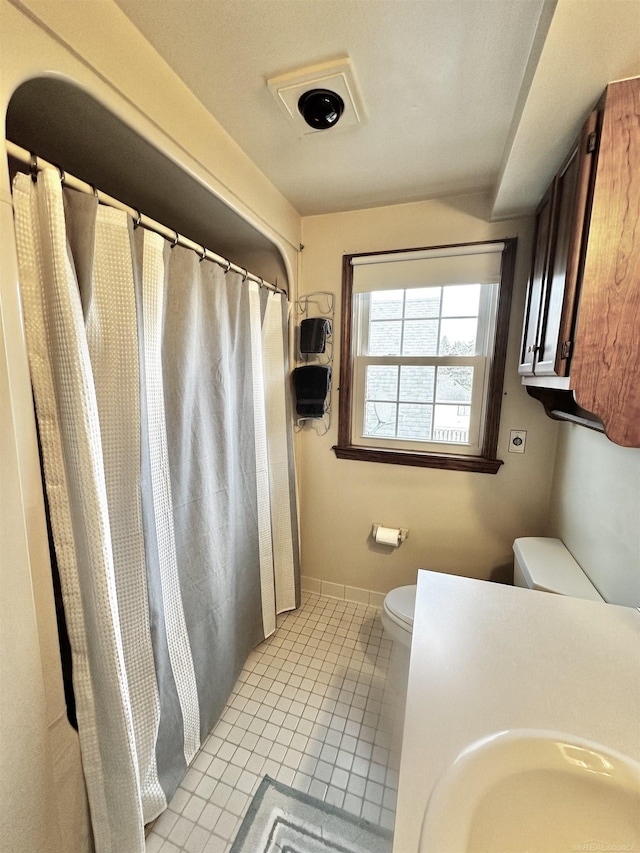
282	819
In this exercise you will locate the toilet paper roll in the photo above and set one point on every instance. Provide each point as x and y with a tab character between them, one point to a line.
388	536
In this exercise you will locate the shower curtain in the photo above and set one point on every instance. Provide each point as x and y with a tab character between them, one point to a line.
160	390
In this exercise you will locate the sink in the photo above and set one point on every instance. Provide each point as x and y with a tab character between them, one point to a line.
529	791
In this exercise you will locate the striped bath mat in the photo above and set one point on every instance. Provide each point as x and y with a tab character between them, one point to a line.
280	818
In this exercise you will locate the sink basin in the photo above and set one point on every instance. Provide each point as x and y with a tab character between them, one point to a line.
534	791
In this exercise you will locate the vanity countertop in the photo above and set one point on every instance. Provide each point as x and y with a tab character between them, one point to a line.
487	657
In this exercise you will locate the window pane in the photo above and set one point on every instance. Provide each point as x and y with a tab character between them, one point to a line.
461	300
423	302
416	384
414	422
386	304
380	420
454	384
420	337
458	337
450	426
385	338
382	382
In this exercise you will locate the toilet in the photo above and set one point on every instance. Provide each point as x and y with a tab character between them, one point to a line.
545	564
397	621
539	563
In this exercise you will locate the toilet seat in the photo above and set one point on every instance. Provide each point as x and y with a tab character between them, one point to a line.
400	605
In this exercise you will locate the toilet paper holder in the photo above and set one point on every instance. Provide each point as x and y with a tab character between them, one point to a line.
403	532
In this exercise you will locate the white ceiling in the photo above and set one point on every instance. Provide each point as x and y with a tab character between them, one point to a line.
439	82
446	85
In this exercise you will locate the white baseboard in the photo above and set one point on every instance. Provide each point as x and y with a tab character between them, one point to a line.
338	590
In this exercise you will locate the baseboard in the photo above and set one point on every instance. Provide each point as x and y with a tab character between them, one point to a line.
339	590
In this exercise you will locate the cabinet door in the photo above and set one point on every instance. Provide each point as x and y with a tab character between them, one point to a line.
606	363
537	284
563	277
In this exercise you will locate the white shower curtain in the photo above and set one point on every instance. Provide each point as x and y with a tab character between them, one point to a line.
160	390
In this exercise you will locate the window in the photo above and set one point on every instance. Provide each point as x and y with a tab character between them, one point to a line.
423	351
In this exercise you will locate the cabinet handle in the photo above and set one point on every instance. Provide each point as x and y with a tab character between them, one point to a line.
533	348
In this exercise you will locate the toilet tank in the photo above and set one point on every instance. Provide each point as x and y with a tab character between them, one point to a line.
546	564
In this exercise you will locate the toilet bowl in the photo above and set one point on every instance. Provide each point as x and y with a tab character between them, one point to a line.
397	614
397	621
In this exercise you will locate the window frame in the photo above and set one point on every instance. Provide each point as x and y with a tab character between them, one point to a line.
486	462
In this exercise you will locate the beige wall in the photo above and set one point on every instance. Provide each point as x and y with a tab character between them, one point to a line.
460	523
595	510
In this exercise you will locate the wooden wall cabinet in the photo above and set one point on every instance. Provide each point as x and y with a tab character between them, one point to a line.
537	290
581	341
561	232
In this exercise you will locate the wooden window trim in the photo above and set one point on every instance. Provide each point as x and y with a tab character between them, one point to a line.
487	462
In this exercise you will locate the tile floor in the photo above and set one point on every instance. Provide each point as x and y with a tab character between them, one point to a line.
312	709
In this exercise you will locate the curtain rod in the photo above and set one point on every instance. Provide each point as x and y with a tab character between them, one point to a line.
37	164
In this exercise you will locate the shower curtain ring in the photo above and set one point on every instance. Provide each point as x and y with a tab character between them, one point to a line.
228	267
33	167
174	242
138	219
244	277
261	282
203	255
95	191
63	177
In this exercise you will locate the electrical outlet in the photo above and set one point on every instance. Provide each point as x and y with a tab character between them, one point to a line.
517	440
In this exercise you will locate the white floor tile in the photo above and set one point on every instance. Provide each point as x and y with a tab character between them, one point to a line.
153	843
197	840
165	823
193	808
210	816
180	831
310	709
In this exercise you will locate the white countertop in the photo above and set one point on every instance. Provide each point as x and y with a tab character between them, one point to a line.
487	657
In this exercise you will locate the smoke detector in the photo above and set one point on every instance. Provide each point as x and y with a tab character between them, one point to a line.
335	79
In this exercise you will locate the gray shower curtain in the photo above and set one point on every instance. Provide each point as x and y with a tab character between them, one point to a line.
160	389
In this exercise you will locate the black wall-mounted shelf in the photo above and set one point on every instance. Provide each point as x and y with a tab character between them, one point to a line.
561	406
318	304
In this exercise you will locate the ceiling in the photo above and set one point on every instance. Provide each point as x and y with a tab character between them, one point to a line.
441	82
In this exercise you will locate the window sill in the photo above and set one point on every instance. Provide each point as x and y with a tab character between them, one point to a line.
444	461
